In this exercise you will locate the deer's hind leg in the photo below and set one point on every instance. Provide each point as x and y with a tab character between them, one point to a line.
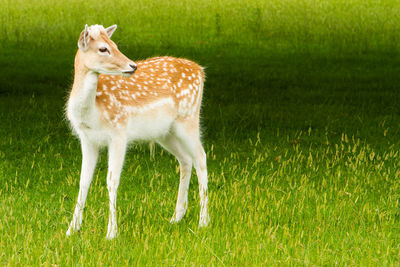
187	134
172	144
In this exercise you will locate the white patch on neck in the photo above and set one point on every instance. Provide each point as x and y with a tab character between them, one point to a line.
81	105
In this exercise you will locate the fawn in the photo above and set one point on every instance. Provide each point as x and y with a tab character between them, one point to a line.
114	101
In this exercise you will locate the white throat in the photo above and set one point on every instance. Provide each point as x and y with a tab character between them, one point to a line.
81	104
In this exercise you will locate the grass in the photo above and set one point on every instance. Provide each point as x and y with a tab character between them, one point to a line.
300	118
339	25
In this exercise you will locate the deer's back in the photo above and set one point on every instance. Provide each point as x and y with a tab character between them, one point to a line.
161	86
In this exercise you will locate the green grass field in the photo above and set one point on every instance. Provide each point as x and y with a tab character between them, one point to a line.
301	117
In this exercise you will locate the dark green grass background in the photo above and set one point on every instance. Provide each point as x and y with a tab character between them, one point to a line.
300	122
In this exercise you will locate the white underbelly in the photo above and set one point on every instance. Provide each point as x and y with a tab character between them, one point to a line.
148	123
149	127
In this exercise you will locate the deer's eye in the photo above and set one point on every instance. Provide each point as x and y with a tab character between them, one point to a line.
103	49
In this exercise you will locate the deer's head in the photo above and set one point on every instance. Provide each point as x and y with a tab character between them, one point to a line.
101	55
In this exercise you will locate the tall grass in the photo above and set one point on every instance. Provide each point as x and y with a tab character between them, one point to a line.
355	25
292	197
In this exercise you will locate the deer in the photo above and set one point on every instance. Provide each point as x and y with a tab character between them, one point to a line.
115	101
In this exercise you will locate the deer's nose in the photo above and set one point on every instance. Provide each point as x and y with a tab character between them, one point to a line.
133	66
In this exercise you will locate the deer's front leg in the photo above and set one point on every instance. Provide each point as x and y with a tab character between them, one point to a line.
90	154
116	154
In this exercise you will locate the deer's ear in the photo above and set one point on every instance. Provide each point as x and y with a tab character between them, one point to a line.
110	30
83	42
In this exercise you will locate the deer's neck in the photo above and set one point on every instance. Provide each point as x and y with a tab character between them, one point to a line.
82	100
